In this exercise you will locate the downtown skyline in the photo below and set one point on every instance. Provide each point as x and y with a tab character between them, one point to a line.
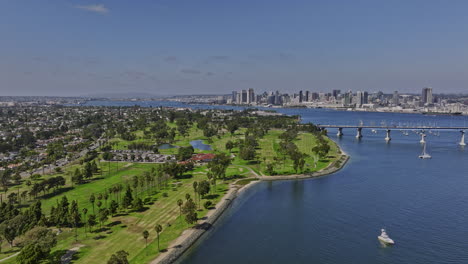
80	48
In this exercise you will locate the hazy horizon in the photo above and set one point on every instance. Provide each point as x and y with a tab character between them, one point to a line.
77	48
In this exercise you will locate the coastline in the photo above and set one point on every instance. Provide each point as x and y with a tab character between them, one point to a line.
188	237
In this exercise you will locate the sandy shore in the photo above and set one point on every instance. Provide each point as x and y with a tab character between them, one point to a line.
190	236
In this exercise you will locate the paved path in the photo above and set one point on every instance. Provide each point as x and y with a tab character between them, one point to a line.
12	256
67	258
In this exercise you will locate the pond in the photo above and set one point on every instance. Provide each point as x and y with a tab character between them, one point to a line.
166	146
198	144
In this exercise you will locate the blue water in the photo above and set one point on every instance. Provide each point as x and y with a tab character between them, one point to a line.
336	219
198	144
166	146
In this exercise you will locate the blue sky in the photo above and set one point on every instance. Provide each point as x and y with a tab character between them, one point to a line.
80	47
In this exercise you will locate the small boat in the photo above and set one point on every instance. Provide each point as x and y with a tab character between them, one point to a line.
424	155
384	238
374	131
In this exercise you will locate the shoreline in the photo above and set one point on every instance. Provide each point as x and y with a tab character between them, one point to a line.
189	236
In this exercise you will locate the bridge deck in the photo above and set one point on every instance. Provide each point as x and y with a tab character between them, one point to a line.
392	127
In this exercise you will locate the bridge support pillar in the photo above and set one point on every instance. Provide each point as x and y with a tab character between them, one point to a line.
359	133
462	140
340	132
388	138
423	138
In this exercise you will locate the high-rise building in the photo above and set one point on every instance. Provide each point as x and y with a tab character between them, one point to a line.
251	96
426	96
234	96
395	98
277	98
244	97
315	96
301	97
336	93
365	99
359	98
306	96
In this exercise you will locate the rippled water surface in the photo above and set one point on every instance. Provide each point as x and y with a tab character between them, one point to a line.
336	219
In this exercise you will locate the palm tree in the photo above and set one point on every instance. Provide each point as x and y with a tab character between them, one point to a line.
85	211
145	236
92	199
180	203
158	229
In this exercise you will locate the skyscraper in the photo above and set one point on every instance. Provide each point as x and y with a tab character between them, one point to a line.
359	98
395	100
301	96
251	96
234	96
244	97
426	97
336	93
365	98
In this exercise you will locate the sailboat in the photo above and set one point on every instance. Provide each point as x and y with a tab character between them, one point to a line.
424	155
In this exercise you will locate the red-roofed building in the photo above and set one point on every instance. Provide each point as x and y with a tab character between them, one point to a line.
203	157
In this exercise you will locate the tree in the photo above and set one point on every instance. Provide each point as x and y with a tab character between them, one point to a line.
92	221
85	212
229	145
30	254
137	205
103	215
195	188
120	257
75	217
232	127
7	232
185	153
203	188
62	213
113	207
128	198
158	229
322	148
189	210
37	244
145	236
106	197
77	176
247	152
219	164
5	177
180	203
92	199
270	169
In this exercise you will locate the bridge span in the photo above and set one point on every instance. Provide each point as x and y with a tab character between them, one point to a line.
389	129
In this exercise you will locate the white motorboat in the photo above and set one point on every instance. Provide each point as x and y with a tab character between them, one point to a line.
424	154
384	238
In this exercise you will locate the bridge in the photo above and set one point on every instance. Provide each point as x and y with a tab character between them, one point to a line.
389	129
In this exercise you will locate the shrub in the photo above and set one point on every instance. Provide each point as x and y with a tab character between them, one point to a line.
207	204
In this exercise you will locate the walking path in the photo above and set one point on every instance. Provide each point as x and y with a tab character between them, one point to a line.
9	257
67	258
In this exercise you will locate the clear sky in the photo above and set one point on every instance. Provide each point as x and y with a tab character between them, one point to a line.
80	47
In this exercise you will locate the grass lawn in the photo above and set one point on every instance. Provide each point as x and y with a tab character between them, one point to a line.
124	232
